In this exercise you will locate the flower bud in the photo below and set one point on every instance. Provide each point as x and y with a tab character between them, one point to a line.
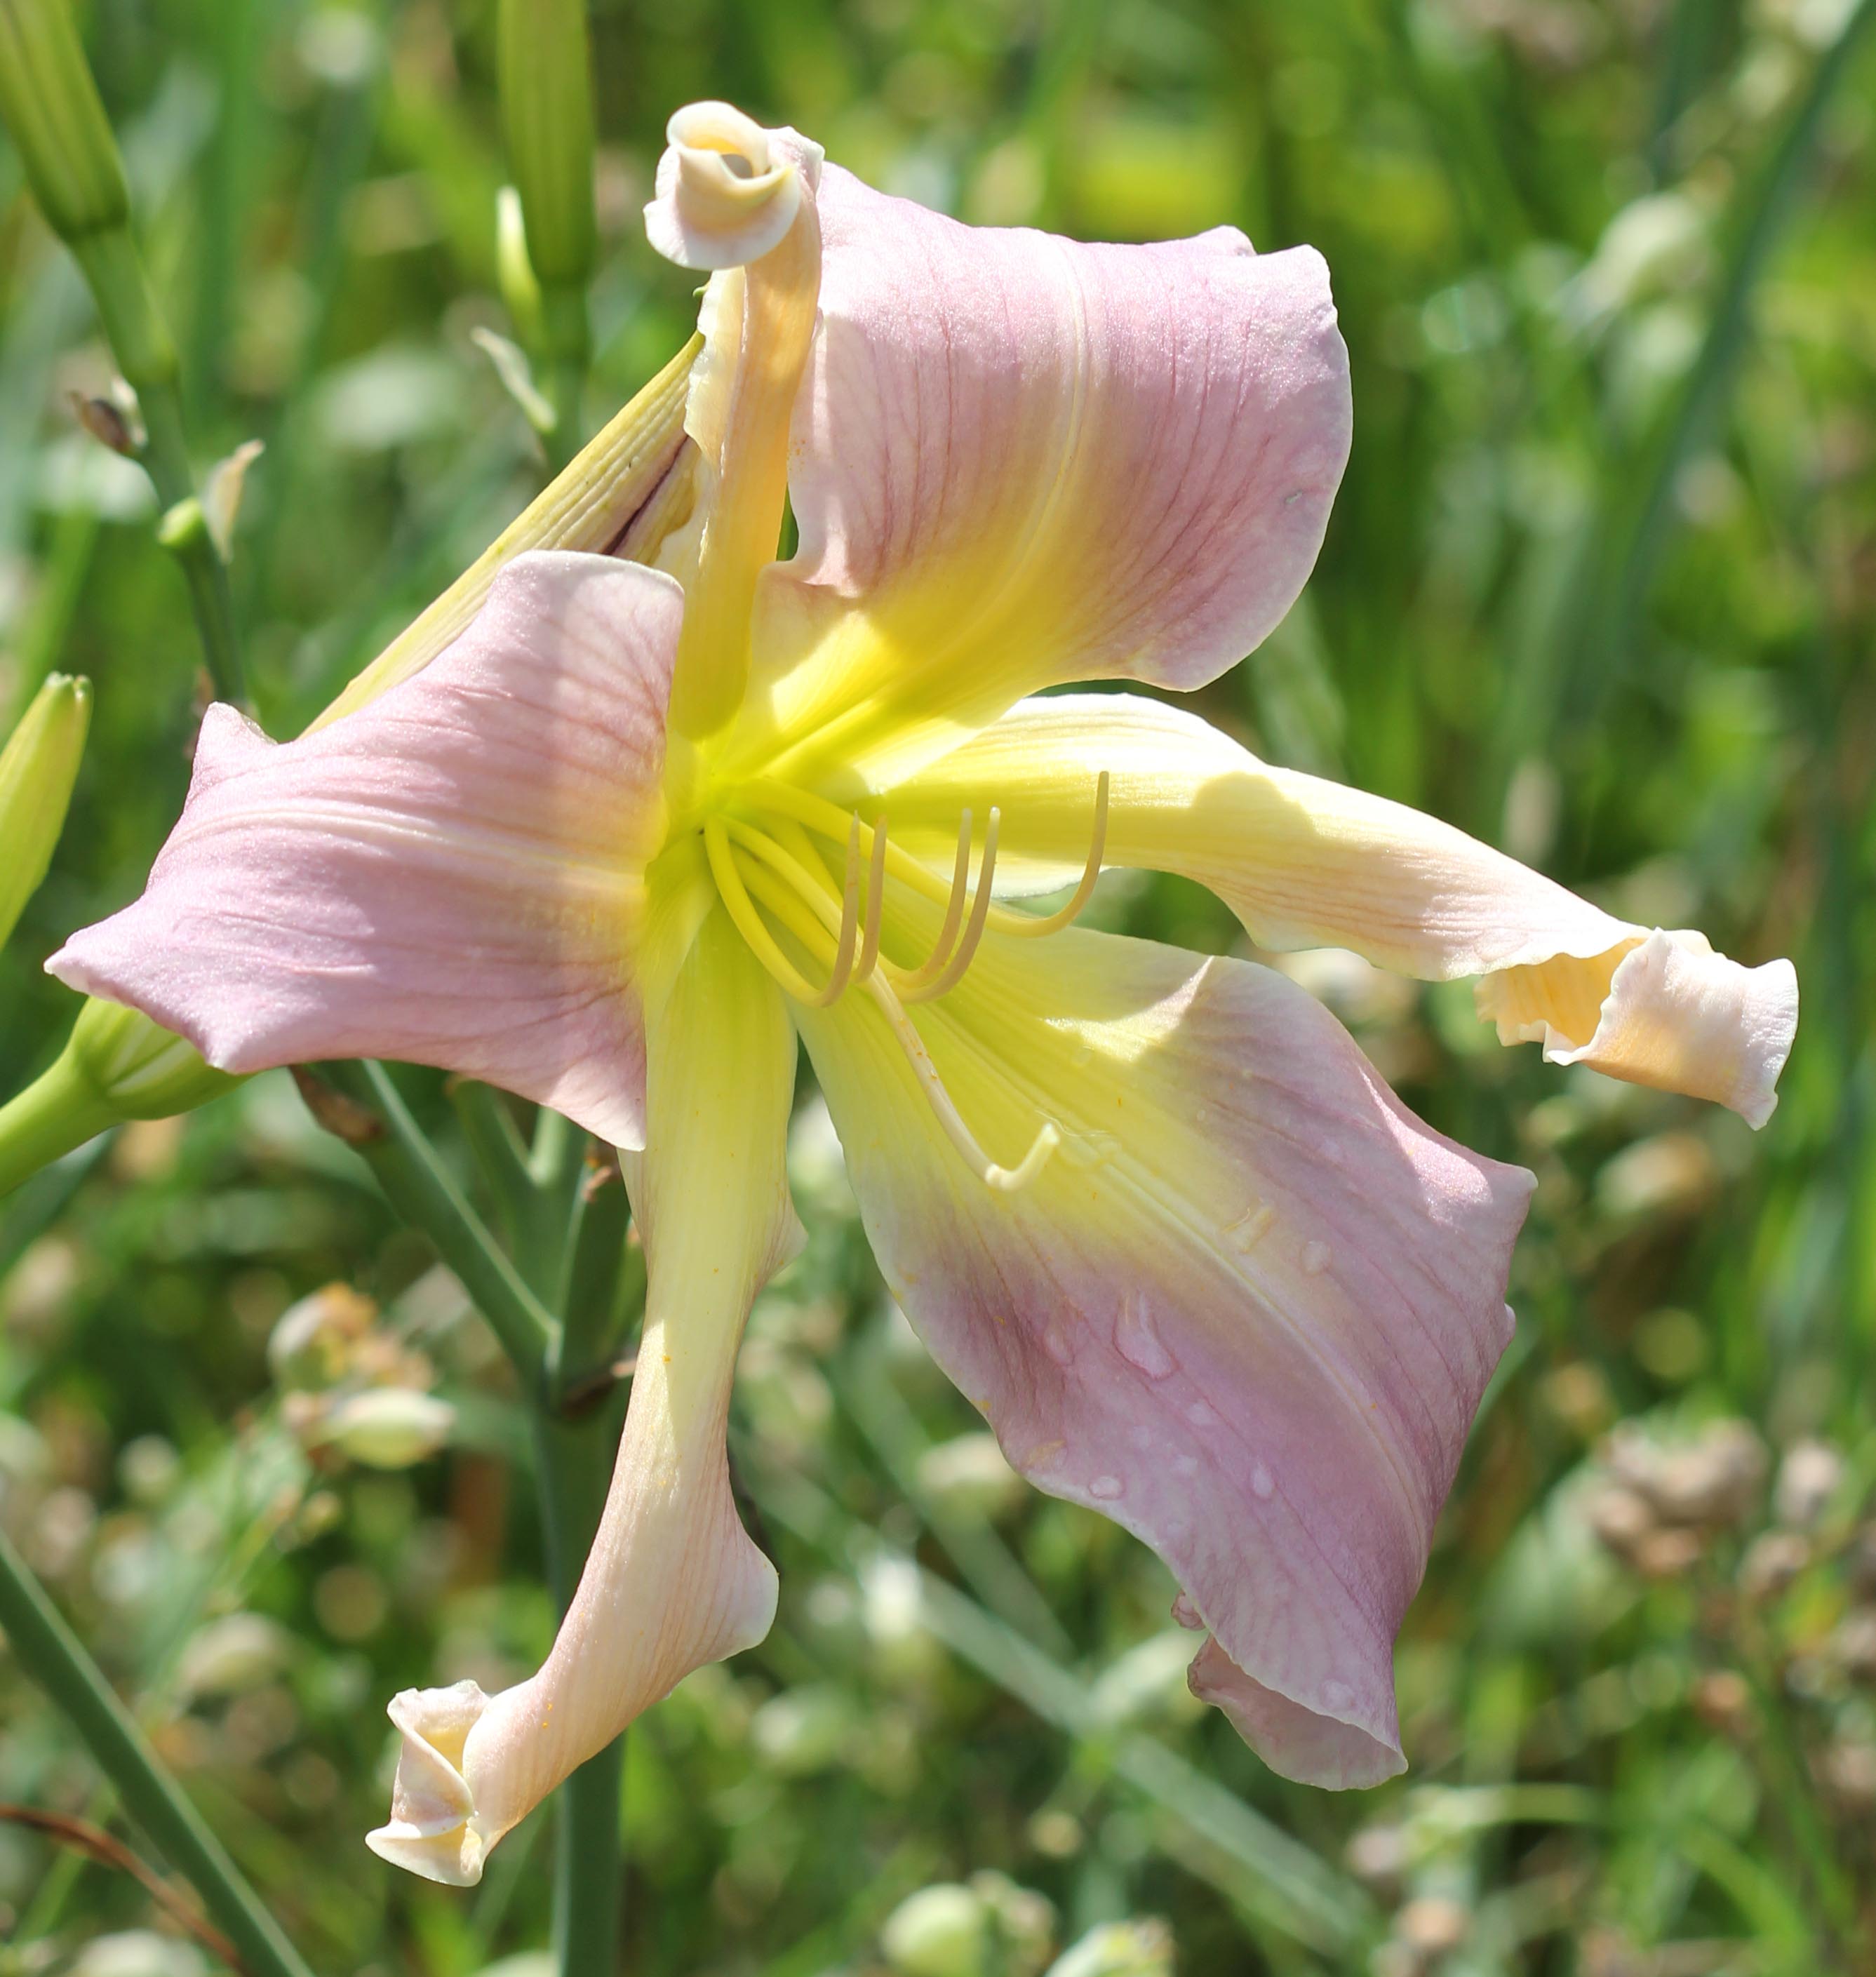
727	189
944	1931
51	106
237	1652
389	1427
546	69
38	768
514	272
138	1069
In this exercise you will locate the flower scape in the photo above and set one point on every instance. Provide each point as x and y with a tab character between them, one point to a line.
668	804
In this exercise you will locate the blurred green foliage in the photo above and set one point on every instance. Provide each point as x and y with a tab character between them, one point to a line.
1601	587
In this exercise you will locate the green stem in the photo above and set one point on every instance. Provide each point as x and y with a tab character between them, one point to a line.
592	1322
497	1148
575	1439
575	1467
141	343
52	1654
166	460
58	1111
423	1191
566	347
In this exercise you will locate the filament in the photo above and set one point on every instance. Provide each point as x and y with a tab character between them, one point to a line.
953	971
828	821
953	911
1005	1180
793	906
875	902
808	884
1022	923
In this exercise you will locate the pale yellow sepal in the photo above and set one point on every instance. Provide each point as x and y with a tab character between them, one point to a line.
1306	863
590	506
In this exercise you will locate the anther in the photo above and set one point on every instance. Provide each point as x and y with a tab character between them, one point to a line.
952	973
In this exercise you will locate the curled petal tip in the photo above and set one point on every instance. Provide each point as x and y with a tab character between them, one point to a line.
727	190
1661	1009
433	1830
1329	1739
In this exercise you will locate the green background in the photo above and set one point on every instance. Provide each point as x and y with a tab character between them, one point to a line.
1599	587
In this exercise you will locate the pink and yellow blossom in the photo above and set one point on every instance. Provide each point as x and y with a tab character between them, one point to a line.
657	813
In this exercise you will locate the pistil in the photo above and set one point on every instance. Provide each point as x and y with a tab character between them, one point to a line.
735	199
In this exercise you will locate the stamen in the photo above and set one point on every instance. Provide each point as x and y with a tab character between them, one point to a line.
828	821
790	906
748	922
1005	1180
1021	924
849	923
953	972
719	832
876	901
953	911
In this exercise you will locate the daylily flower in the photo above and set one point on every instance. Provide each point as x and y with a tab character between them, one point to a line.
645	824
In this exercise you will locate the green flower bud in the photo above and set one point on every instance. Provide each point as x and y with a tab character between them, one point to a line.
51	106
545	67
944	1931
514	272
140	1070
38	768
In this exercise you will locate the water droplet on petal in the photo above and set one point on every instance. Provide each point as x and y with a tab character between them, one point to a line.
1104	1489
1201	1414
1316	1258
1262	1484
1187	1615
1090	1150
1139	1340
1252	1227
1083	1053
1057	1343
1201	1113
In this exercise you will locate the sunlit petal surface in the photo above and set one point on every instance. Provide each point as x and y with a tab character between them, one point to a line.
1247	1311
1020	459
1306	863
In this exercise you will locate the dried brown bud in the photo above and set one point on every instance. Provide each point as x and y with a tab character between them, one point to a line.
105	423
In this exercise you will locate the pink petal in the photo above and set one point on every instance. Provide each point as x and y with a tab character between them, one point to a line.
1247	1311
1020	459
450	875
